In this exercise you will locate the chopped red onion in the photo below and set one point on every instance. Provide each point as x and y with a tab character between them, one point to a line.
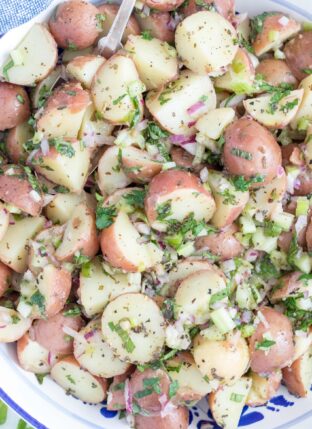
44	145
246	316
191	124
203	174
89	334
141	125
280	171
263	320
251	255
190	148
179	139
169	407
128	397
146	10
196	108
49	358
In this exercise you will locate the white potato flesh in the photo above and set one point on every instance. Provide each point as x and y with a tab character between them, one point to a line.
32	356
110	176
12	325
185	268
305	110
77	381
110	90
226	210
263	387
174	105
95	355
84	68
205	42
298	377
45	86
142	327
285	111
38	52
194	293
101	287
139	165
16	139
94	132
62	170
213	123
156	61
302	344
227	403
62	207
4	220
14	245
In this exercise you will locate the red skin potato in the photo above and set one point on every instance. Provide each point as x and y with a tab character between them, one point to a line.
15	111
177	419
5	275
298	54
226	8
75	22
61	290
116	398
292	154
276	72
111	11
288	284
292	377
158	23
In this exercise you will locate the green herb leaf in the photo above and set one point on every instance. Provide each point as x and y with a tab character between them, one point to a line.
135	198
271	229
71	46
100	17
241	153
63	147
265	344
72	312
119	386
257	23
6	68
289	105
127	343
293	250
105	216
307	71
3	413
80	259
236	397
164	210
70	379
218	296
40	377
32	179
155	136
20	99
119	99
39	300
146	35
228	197
44	93
242	184
173	388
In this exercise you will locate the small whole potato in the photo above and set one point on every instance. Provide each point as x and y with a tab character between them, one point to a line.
277	355
74	24
251	150
276	72
15	102
177	419
298	54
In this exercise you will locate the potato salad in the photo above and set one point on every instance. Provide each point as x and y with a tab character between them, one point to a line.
155	208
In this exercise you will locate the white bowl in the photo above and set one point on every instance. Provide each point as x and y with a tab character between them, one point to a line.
47	406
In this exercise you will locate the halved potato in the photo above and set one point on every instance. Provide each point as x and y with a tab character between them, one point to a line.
38	54
205	42
229	202
302	344
240	75
298	376
110	174
44	88
13	325
63	112
304	115
95	355
120	102
121	247
291	285
194	294
80	235
155	60
213	123
69	169
278	115
227	403
175	105
14	244
84	68
134	328
15	141
4	220
138	165
100	287
80	383
158	24
32	356
175	194
263	388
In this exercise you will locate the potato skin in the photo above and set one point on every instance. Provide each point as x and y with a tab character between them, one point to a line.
304	182
116	398
177	419
247	135
61	286
226	8
276	72
49	332
16	102
163	5
110	11
309	236
281	353
293	377
222	244
74	23
5	275
298	54
288	285
158	24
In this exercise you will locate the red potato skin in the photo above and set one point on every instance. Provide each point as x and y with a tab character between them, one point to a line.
309	236
147	169
276	72
298	54
15	151
61	290
292	154
184	159
15	189
15	111
248	135
49	332
280	354
132	26
5	276
222	244
163	5
177	419
304	186
75	22
292	379
151	402
167	182
158	23
116	398
288	285
226	8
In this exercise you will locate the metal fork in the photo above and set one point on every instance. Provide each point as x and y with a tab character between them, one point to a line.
109	44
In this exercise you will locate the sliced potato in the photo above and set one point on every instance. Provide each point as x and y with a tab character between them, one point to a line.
263	388
175	105
138	165
100	287
120	246
14	245
227	403
15	141
155	60
110	174
84	68
304	115
68	171
212	124
116	101
32	356
13	325
80	235
38	52
205	42
298	377
79	382
63	112
62	207
283	113
134	328
95	355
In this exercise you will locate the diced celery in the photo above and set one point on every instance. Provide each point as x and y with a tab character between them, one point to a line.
247	330
222	319
212	333
248	225
279	260
273	35
186	249
244	239
283	219
168	165
303	262
303	124
303	205
174	241
244	297
262	242
135	88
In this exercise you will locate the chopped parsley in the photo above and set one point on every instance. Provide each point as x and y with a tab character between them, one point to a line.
218	296
278	92
302	319
236	397
228	197
307	71
20	99
265	344
173	388
246	44
72	312
266	269
15	319
127	343
80	259
155	136
257	23
241	153
242	184
271	229
72	93
32	179
44	93
119	386
70	379
293	250
61	189
39	300
146	35
119	99
63	147
105	216
151	385
135	198
40	377
100	18
164	210
71	46
289	105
